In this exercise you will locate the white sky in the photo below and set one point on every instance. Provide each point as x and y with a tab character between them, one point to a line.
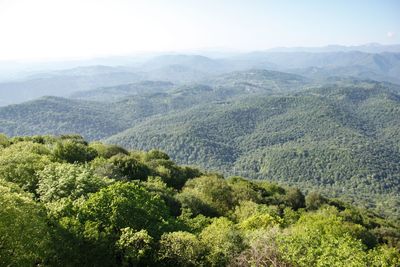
60	29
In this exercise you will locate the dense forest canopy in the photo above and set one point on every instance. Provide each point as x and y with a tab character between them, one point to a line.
68	202
336	135
343	140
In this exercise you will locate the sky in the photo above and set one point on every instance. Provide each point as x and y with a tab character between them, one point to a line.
73	29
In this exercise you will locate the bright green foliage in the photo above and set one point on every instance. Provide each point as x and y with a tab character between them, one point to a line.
173	175
3	141
252	216
194	224
24	236
128	168
72	151
134	246
122	205
156	154
243	189
323	239
162	214
156	186
181	249
223	240
384	256
246	209
259	221
107	151
20	162
59	180
98	224
290	216
210	195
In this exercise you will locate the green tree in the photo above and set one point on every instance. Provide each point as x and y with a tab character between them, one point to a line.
4	142
223	241
156	186
129	167
173	175
209	195
155	154
314	201
181	249
244	189
384	256
24	234
134	246
122	205
323	239
97	222
59	180
194	224
20	162
107	151
295	199
246	209
73	151
259	221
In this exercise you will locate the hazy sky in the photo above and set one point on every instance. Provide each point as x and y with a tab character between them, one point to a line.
56	29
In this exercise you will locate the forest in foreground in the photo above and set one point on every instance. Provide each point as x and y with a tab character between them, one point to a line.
67	202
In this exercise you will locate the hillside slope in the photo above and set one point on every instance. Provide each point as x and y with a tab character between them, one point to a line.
340	140
123	106
340	137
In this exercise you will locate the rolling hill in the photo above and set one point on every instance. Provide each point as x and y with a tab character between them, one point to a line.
126	105
339	140
188	69
63	83
56	115
339	136
114	93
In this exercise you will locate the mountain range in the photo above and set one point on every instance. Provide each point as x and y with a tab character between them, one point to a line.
381	63
326	121
339	137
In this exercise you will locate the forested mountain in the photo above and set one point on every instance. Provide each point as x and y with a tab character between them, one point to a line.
339	136
220	87
259	81
382	66
113	93
340	140
55	115
96	120
67	202
63	83
187	69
